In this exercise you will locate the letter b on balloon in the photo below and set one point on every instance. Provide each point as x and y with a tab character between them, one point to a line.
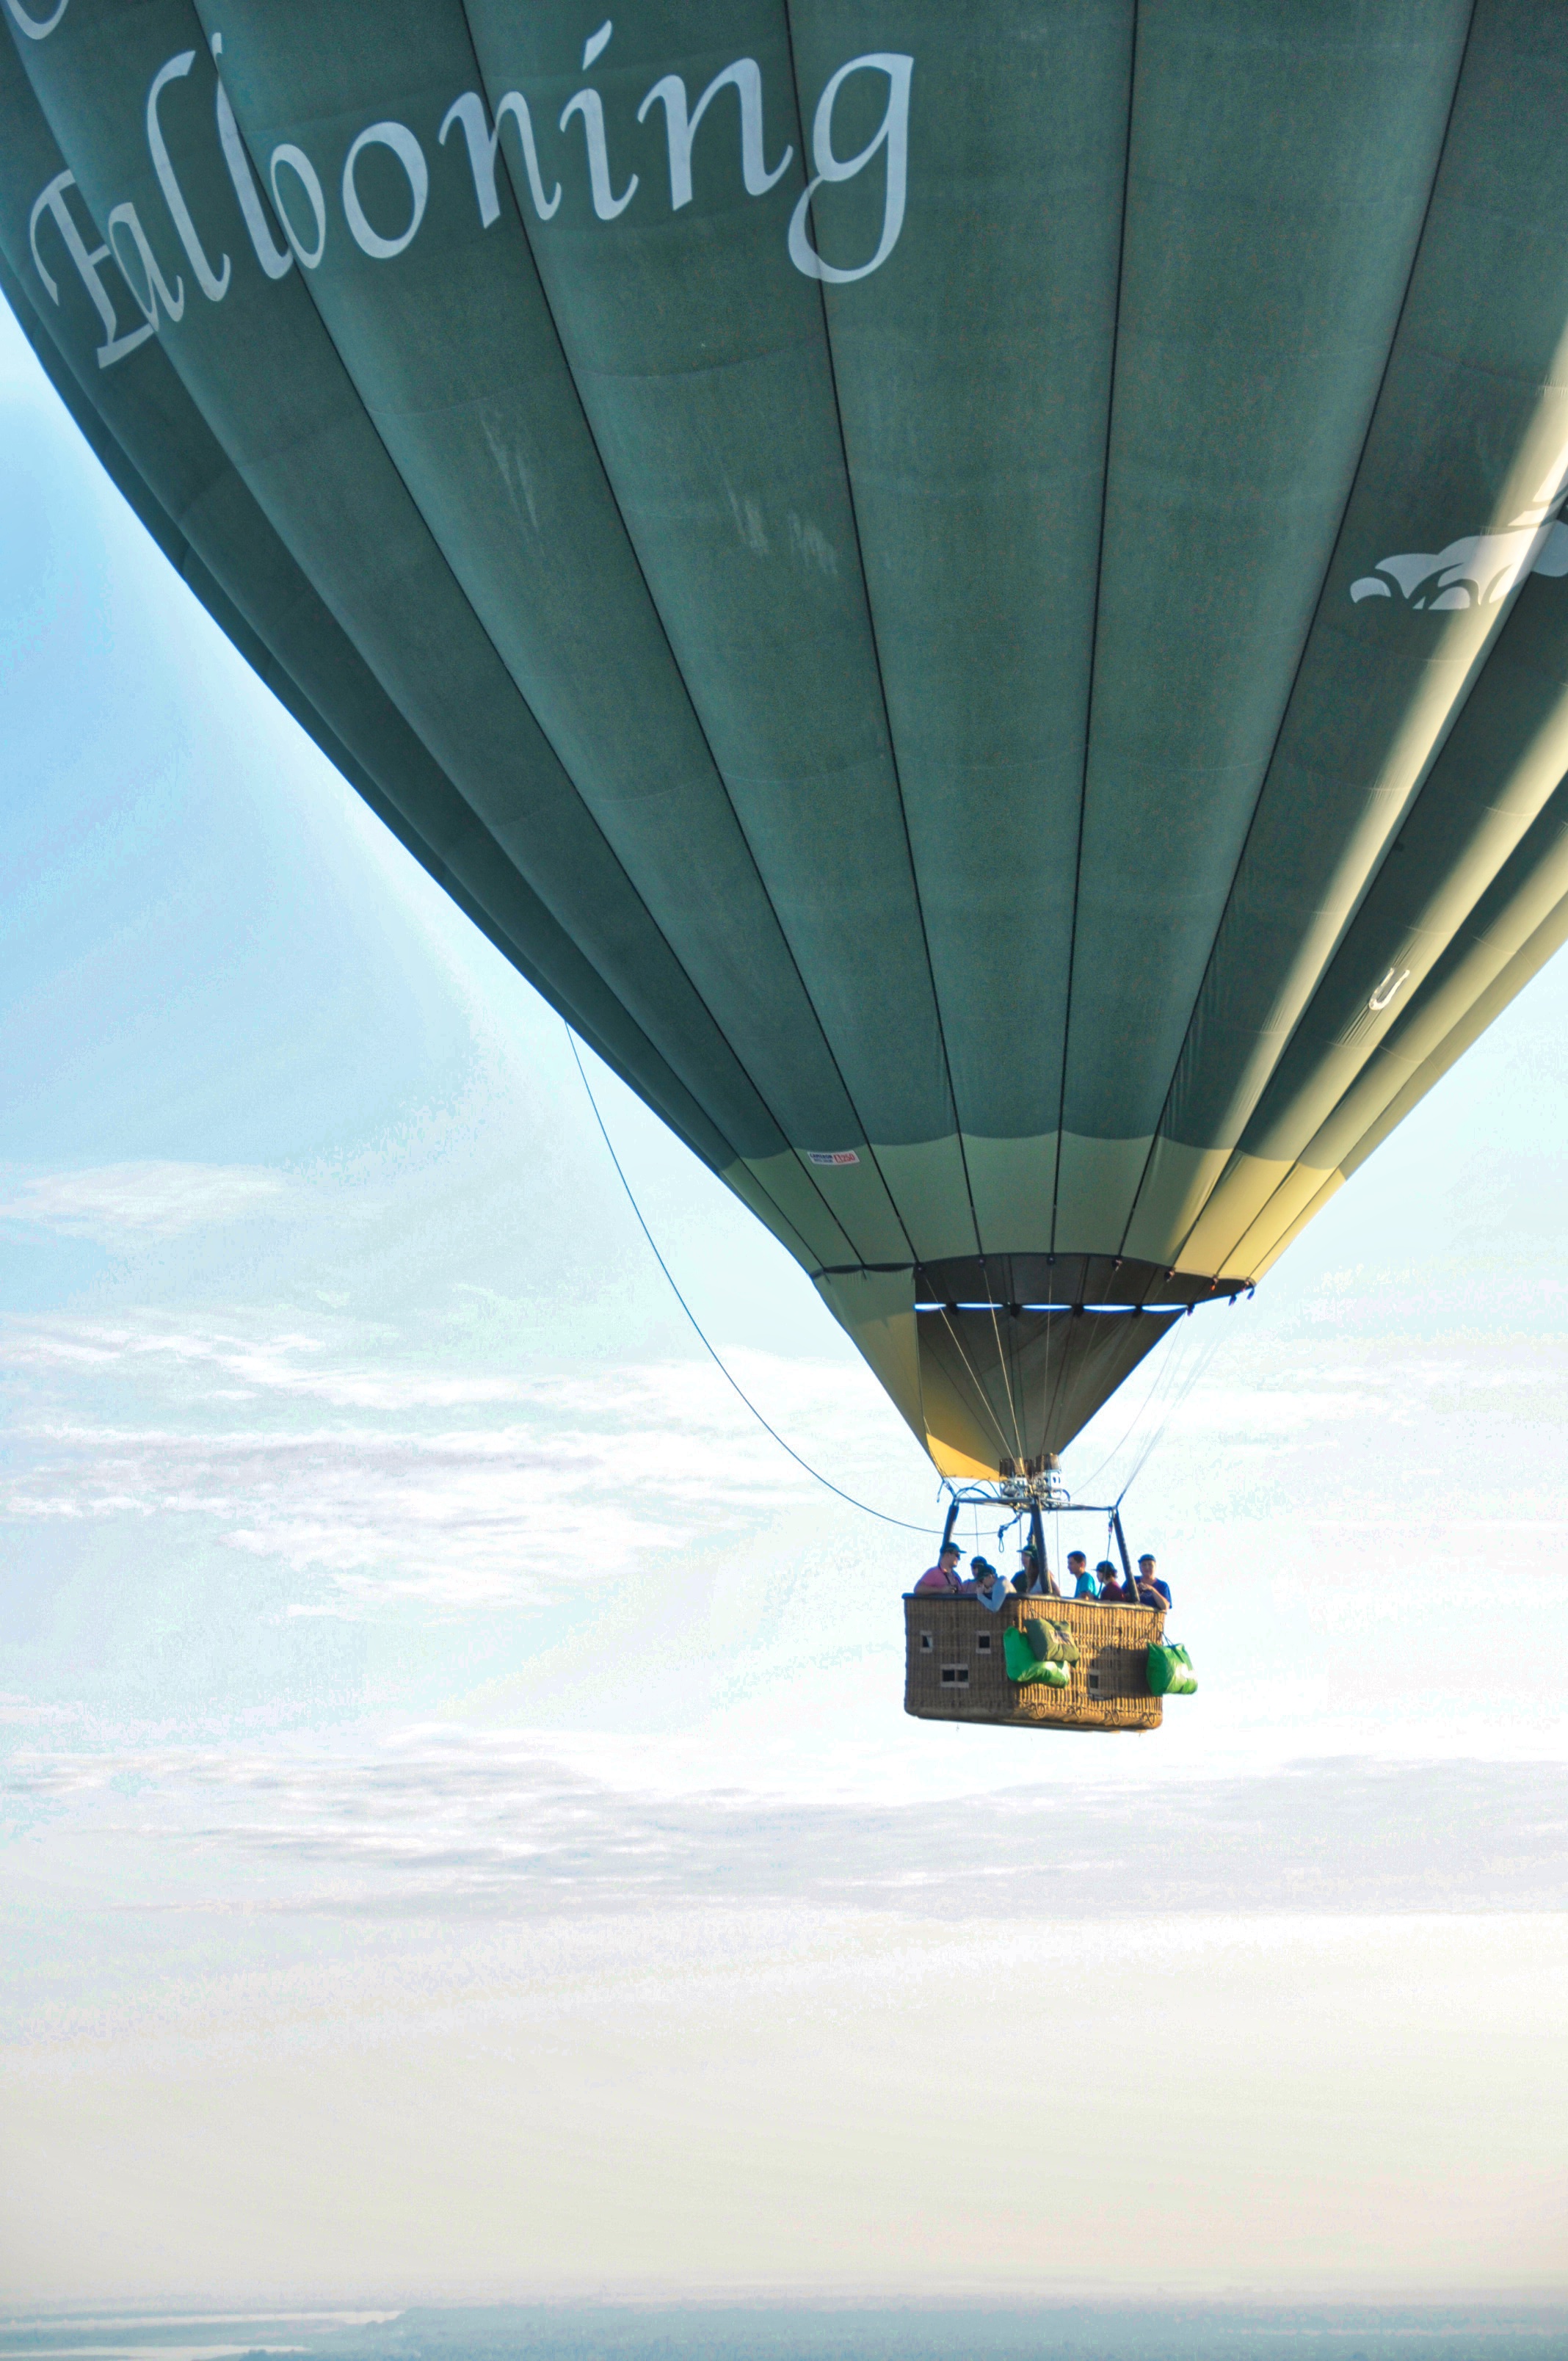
891	134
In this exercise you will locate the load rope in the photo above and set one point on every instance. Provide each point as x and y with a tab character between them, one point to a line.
816	1474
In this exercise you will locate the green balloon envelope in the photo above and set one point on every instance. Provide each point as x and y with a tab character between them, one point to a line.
979	603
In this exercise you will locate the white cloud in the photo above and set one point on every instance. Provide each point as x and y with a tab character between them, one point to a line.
493	1823
286	1362
111	1203
408	1480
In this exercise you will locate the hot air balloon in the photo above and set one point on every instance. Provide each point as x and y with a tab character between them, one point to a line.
976	597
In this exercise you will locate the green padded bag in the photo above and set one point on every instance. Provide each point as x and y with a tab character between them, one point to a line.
1019	1655
1053	1643
1170	1671
1023	1664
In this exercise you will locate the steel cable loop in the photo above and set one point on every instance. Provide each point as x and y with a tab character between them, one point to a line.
1198	1368
1006	1379
1158	1384
982	1397
1169	1369
866	1510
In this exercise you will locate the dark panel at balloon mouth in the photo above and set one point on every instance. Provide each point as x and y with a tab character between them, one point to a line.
1060	1282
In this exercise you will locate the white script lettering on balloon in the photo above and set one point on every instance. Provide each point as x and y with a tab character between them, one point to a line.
746	77
296	160
893	133
483	145
37	29
401	142
606	204
1385	991
124	218
212	284
275	260
53	201
128	246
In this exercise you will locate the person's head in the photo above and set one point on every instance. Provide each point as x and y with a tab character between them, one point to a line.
1146	1565
1106	1570
1029	1558
947	1556
1076	1561
979	1565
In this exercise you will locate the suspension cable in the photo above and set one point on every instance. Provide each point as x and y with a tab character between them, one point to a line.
814	1473
1175	1401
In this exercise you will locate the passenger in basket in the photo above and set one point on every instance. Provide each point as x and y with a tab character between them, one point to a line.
1033	1580
1111	1591
1084	1584
991	1589
944	1575
1148	1580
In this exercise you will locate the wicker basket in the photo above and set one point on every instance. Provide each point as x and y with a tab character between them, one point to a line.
956	1671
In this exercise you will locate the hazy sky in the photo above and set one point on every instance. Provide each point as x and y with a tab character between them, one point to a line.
464	1837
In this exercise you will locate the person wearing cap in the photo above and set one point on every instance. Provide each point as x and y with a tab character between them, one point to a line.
1033	1580
1084	1584
1148	1580
990	1588
1110	1590
944	1575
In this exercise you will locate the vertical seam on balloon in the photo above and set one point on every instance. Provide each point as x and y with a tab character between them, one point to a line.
1290	697
699	724
1094	628
588	814
886	714
701	730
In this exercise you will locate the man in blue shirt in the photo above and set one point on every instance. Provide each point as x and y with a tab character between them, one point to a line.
1148	1580
1085	1585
